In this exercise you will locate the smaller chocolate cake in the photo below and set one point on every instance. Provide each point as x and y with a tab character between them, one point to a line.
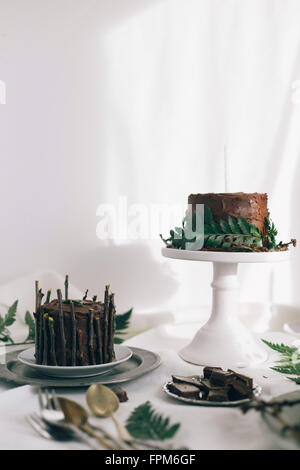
74	332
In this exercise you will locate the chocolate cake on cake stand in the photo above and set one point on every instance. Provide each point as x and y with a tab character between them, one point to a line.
224	340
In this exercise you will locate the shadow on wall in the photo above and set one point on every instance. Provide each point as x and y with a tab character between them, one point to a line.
55	50
110	14
138	280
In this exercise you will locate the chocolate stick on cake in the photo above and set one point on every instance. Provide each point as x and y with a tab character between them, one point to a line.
91	336
111	326
48	296
39	337
36	295
45	338
85	295
61	329
74	332
73	335
99	340
66	286
52	342
105	327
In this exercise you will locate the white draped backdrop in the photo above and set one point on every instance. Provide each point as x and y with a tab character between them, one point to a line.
137	98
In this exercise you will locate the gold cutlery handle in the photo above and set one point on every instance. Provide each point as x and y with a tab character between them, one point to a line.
91	432
123	433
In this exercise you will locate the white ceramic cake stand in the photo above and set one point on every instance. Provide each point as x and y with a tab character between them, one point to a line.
224	340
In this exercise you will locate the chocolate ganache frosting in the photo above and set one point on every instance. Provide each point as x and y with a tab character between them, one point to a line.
74	332
252	206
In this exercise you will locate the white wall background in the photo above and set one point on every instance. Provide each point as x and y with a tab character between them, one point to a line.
137	98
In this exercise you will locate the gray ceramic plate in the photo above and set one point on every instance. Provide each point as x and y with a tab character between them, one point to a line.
27	357
256	391
141	362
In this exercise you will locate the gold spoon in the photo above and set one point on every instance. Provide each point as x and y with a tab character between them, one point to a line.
78	416
103	402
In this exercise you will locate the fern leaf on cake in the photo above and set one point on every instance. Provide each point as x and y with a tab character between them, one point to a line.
230	234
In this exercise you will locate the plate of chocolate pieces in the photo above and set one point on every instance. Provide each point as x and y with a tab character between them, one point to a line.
217	387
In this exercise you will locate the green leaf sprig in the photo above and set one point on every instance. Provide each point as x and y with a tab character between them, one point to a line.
122	324
7	321
234	234
31	327
290	362
231	233
271	232
144	423
274	409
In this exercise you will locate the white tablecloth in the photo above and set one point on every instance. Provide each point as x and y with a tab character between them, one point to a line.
201	427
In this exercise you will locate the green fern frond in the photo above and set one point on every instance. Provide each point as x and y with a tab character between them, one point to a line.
290	364
223	235
208	215
290	369
145	423
29	321
7	321
281	348
10	317
244	225
225	226
122	324
118	340
234	226
240	235
271	233
123	320
295	379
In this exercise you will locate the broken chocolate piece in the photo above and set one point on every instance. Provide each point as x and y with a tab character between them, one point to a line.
207	385
207	371
120	392
208	388
243	378
221	377
185	390
218	394
192	380
239	391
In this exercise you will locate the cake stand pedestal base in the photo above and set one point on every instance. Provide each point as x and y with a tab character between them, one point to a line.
224	341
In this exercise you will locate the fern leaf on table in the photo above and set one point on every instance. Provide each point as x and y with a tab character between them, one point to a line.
289	369
145	423
281	348
295	379
290	364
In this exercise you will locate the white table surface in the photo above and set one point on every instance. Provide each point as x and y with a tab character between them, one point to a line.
201	427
